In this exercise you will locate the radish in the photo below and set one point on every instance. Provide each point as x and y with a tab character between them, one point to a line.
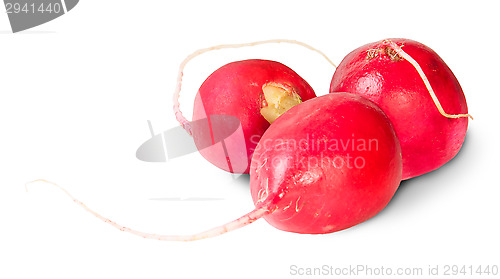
417	91
325	165
255	92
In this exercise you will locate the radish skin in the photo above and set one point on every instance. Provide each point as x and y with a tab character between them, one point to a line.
417	91
253	92
421	73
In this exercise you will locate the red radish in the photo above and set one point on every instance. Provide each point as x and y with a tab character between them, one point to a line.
325	165
255	92
417	91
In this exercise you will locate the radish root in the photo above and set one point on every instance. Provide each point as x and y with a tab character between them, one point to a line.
246	219
417	67
178	114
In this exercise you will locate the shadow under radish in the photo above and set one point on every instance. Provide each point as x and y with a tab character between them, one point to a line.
415	191
242	180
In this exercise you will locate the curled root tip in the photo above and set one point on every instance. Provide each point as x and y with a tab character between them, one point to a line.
455	116
34	181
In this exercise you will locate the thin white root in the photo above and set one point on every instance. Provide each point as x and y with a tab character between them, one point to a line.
178	114
417	67
246	219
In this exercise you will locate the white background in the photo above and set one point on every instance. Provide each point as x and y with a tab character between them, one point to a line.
75	95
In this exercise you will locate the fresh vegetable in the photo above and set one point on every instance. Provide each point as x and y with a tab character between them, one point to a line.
326	165
255	92
417	91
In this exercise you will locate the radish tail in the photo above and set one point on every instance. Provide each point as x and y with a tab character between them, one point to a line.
246	219
178	114
417	67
